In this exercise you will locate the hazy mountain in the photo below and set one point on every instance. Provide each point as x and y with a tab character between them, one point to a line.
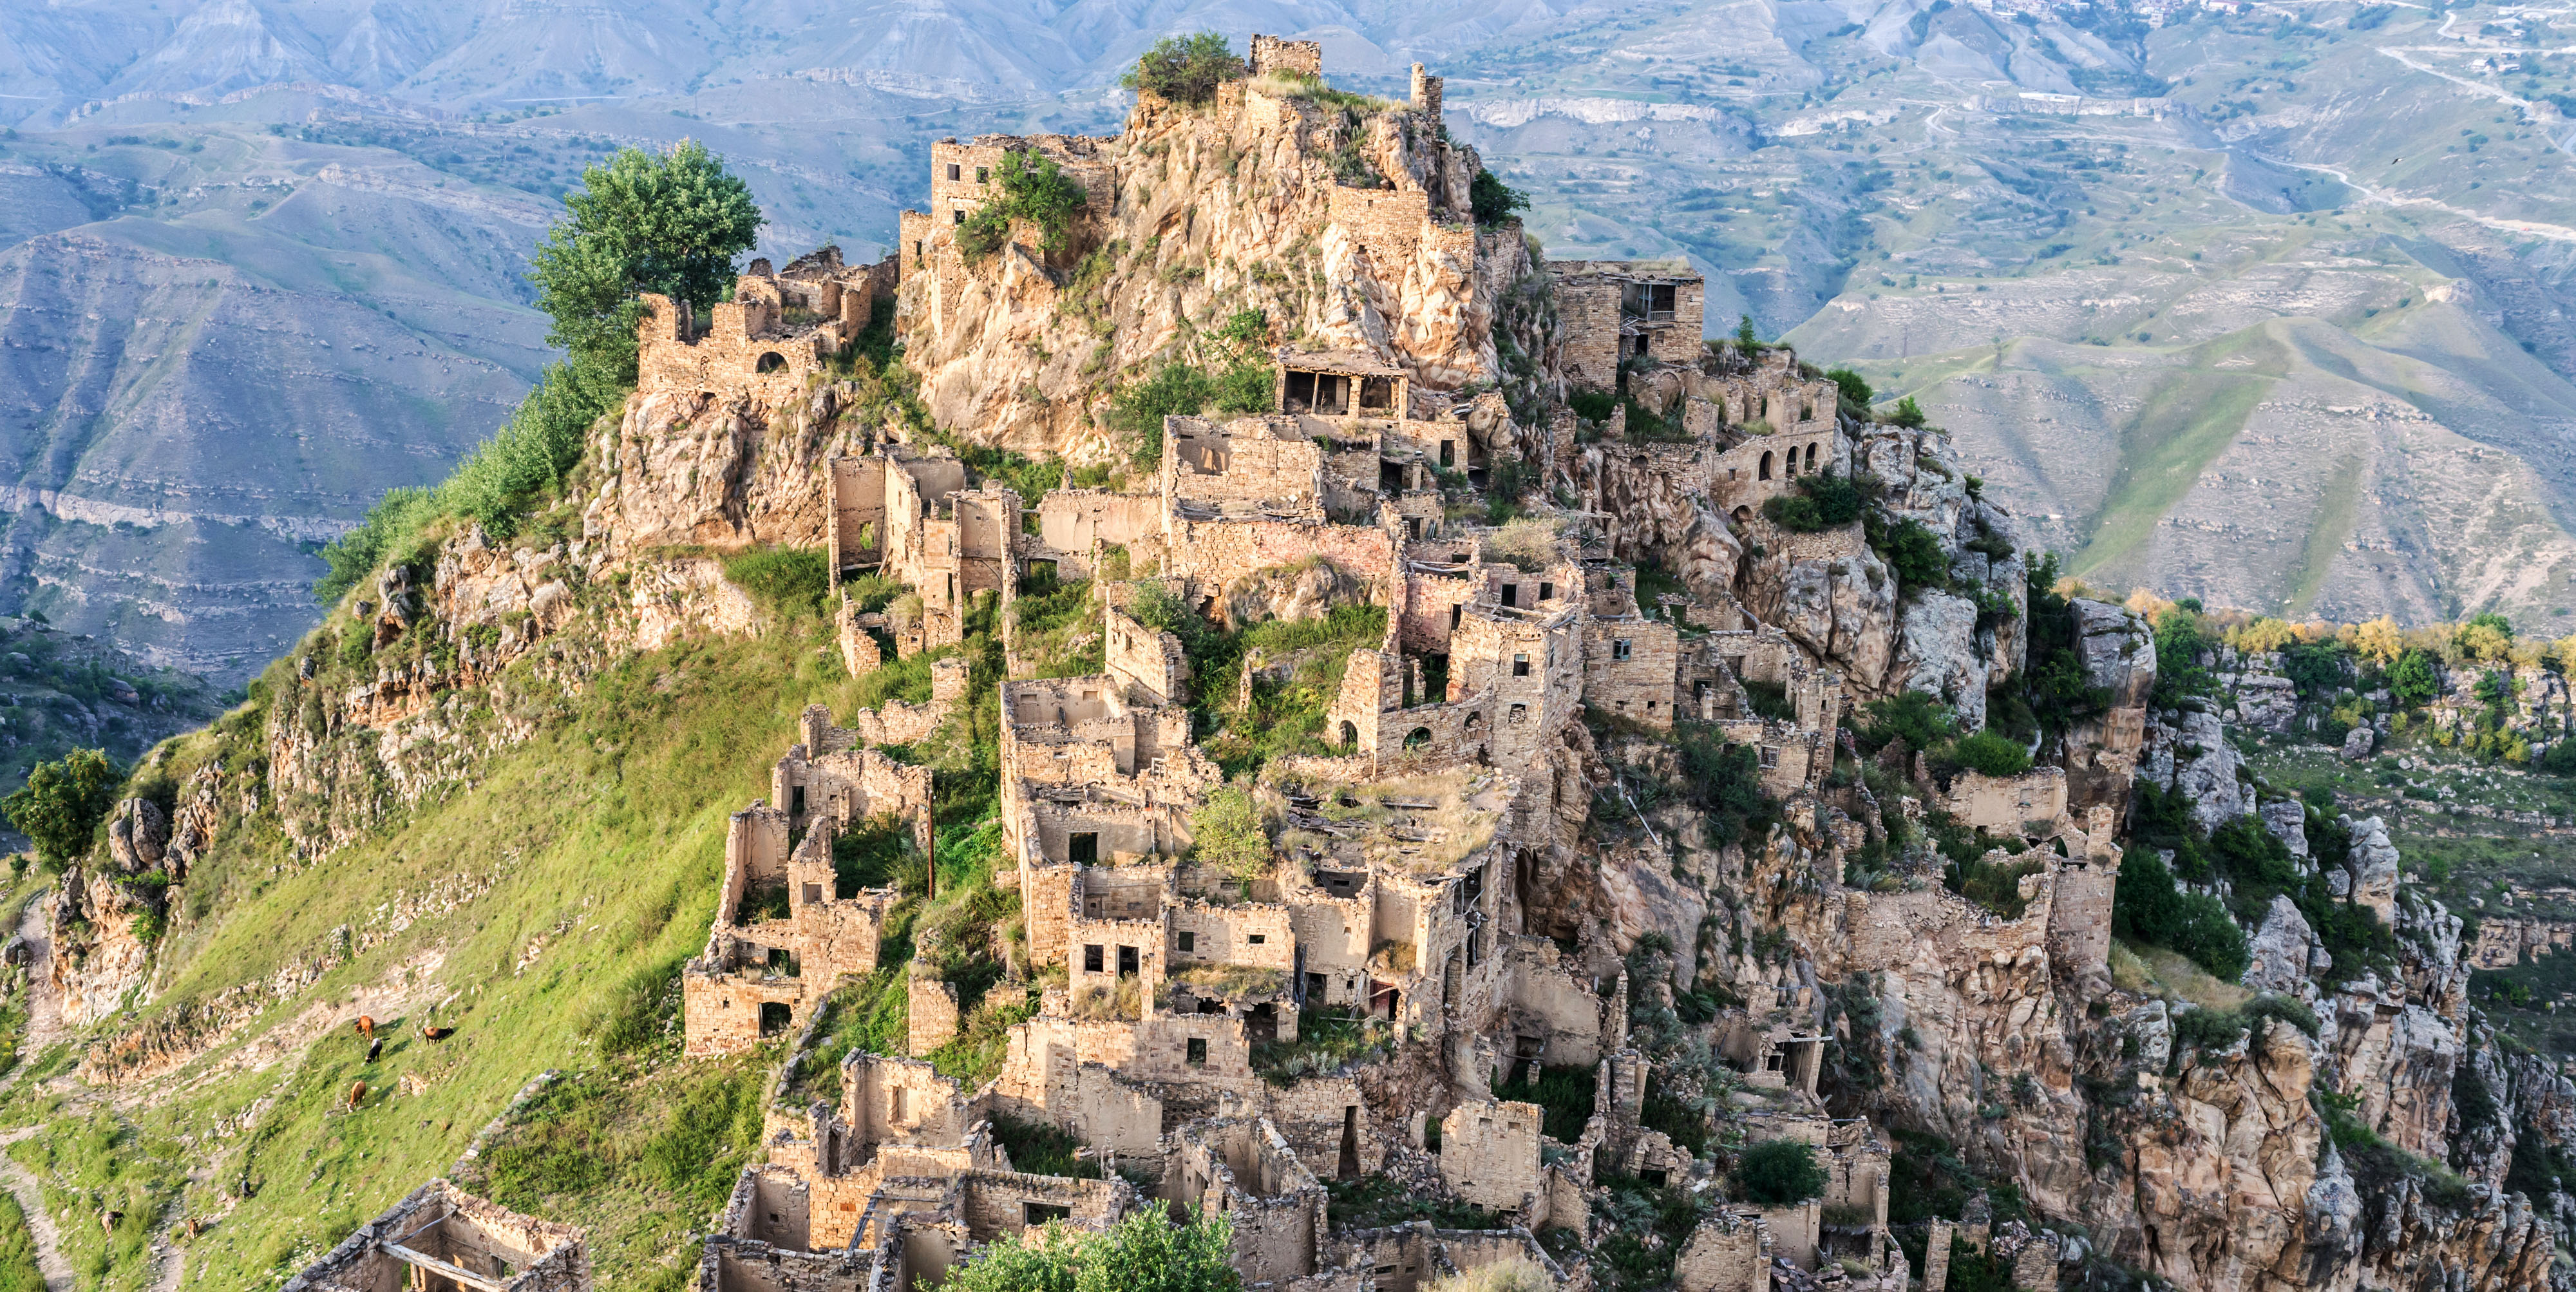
2274	309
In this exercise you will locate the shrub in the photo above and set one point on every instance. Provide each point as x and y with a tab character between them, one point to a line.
1912	552
1781	1173
1917	718
1907	414
1855	389
2145	906
1028	186
1226	834
1185	69
1492	200
1823	501
1991	754
1725	780
1146	1252
62	803
2293	1012
2412	680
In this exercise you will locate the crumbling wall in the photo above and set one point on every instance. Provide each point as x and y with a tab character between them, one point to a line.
1489	1153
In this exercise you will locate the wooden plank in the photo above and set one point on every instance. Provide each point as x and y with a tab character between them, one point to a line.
458	1273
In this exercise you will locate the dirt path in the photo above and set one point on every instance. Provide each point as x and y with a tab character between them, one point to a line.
31	1200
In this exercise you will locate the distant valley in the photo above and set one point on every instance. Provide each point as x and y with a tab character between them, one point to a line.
2269	307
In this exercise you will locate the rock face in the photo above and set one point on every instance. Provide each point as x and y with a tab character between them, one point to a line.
1937	653
2190	756
2281	950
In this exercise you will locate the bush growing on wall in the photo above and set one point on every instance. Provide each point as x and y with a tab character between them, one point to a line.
1186	69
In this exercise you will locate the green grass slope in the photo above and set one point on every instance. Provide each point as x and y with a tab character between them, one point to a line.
591	853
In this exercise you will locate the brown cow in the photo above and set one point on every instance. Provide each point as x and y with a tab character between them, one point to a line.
428	1033
356	1093
366	1026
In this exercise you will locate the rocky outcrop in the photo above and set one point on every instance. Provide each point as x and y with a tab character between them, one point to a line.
2284	952
2189	755
1937	653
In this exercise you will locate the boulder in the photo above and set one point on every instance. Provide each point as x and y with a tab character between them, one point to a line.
2281	950
1936	653
137	835
2373	868
2287	820
2358	743
1308	589
2118	649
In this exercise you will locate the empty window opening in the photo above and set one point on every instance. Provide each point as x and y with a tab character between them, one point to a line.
1448	453
1764	472
1350	735
1418	739
983	174
952	172
813	894
1811	457
1652	1176
1520	666
1316	987
771	361
1520	714
1413	527
1546	591
1619	648
1379	393
774	1017
1257	939
1127	962
1349	1166
896	1099
957	215
1039	1213
1196	1056
1082	848
1091	958
1456	613
1189	942
1511	594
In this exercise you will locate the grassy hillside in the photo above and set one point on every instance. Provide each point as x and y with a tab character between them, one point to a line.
591	855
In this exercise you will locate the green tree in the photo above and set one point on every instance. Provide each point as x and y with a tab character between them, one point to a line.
2413	681
1855	389
1780	1173
1907	414
668	222
1991	754
1915	716
1146	1252
1912	552
1185	69
1745	337
1492	200
63	802
1029	186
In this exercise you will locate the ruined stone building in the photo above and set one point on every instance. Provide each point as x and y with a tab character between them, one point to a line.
1493	872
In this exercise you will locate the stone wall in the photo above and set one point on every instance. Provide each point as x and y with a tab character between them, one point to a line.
1146	660
747	350
2008	805
1293	57
1489	1153
1729	1252
1394	226
1628	669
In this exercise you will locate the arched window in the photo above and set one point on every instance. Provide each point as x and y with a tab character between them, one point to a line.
1743	515
771	361
1350	736
1811	457
1765	472
1475	726
1420	738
